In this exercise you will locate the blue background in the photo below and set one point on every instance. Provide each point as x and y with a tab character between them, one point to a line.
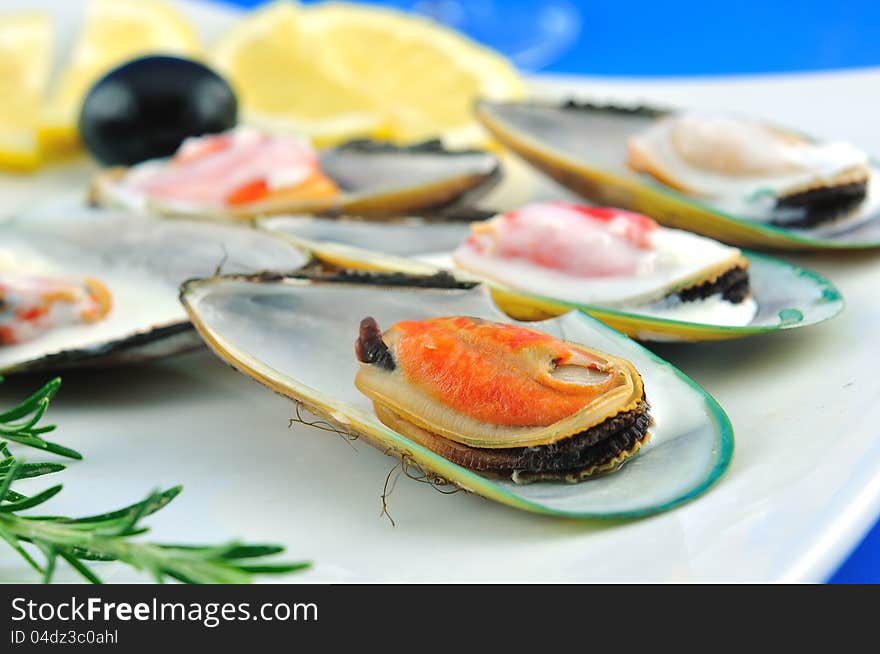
696	37
656	38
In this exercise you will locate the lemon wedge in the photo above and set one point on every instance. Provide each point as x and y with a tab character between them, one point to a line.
335	71
424	78
114	31
25	56
281	82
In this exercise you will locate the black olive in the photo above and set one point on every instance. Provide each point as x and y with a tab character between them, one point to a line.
145	109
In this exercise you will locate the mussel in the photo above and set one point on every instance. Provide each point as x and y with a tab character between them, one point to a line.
612	258
245	172
546	259
736	179
123	271
295	336
752	169
503	399
33	304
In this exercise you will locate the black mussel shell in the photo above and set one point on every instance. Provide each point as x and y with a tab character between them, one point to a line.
145	108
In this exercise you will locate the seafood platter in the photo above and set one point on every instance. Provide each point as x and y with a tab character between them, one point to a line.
591	348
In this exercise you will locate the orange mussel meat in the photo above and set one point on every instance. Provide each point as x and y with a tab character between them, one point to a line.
499	374
503	399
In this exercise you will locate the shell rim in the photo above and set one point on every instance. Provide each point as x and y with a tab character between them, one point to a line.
467	479
78	356
777	233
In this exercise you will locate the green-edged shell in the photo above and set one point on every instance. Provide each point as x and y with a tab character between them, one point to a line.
295	336
787	296
583	146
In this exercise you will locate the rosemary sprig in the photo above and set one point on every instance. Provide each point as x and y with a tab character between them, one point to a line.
19	424
108	536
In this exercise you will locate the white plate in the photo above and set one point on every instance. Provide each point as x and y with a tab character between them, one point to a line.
803	488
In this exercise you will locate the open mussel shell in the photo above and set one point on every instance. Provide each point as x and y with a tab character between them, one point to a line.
583	147
295	335
142	260
787	296
375	179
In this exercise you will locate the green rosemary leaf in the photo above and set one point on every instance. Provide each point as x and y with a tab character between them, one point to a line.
28	470
251	551
51	555
153	504
77	565
37	415
40	444
135	531
138	512
20	424
47	392
30	502
43	430
7	479
89	555
275	568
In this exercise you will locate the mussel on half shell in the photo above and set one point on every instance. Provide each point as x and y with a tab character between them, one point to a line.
503	399
245	172
295	336
734	179
138	262
696	299
608	257
753	169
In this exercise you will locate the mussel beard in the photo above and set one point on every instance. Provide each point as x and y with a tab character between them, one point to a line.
599	449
